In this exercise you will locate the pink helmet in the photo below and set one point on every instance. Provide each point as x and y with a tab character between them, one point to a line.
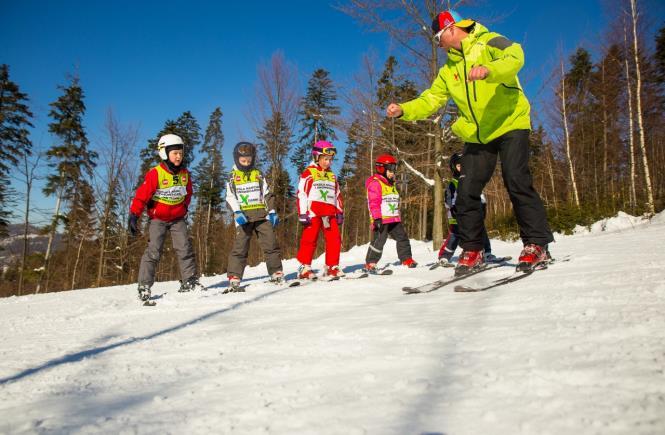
323	147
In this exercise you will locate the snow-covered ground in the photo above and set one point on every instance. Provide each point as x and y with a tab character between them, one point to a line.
576	349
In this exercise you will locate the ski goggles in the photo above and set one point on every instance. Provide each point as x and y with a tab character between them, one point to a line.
328	151
438	35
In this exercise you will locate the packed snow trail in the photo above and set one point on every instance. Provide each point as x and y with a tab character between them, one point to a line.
578	348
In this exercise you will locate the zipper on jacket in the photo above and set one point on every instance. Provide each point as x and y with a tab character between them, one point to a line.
468	98
475	96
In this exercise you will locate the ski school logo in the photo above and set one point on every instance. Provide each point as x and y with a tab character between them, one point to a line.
165	182
456	77
237	179
324	194
392	207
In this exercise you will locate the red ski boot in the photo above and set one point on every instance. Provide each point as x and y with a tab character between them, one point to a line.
532	257
305	272
468	262
410	263
334	272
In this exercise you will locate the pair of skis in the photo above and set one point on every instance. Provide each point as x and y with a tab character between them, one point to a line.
516	276
438	284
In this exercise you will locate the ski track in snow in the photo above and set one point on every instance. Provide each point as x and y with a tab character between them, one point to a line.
576	349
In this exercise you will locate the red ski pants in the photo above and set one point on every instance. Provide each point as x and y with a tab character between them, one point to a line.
310	236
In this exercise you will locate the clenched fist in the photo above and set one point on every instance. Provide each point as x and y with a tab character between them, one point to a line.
393	110
478	73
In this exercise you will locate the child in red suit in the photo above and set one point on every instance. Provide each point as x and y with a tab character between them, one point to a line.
320	208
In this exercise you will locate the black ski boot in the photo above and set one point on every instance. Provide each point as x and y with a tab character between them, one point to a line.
191	284
144	294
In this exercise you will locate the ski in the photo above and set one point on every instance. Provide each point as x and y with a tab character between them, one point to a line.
239	289
497	283
356	275
496	260
437	265
436	285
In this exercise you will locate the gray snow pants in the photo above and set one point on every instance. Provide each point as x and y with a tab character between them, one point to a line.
396	231
267	240
182	246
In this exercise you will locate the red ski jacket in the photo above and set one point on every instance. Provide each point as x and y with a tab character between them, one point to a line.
165	195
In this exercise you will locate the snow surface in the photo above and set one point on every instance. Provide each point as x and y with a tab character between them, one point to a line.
576	349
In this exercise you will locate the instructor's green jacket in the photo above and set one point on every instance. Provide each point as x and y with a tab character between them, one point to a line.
488	108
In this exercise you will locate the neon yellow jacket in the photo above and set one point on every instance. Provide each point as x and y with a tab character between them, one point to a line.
488	108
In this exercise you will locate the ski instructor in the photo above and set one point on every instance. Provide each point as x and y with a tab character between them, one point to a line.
480	76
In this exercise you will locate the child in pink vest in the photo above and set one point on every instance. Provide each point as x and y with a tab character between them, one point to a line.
383	204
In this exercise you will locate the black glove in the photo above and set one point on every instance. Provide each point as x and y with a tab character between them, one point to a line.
378	225
133	224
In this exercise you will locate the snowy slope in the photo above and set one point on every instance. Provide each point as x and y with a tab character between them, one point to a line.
576	349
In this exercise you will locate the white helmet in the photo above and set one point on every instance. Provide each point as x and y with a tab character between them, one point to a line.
169	140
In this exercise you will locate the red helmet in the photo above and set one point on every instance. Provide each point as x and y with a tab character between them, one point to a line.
385	162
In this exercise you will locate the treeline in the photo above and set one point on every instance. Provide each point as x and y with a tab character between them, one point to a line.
595	150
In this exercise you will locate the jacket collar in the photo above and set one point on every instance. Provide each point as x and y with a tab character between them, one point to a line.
467	43
384	179
170	168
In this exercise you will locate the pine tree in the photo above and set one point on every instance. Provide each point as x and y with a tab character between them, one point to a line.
210	171
209	177
72	162
189	130
14	141
317	113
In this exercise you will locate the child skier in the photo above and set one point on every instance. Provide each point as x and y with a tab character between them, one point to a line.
320	208
166	193
383	204
450	244
249	197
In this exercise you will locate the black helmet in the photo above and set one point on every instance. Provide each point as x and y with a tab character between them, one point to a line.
455	159
244	149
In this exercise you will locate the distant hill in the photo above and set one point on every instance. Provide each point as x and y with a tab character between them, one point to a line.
12	246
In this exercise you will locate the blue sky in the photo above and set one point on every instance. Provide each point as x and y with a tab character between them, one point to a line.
151	60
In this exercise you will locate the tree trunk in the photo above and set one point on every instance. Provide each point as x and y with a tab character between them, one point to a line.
640	127
78	258
26	223
51	236
567	137
633	192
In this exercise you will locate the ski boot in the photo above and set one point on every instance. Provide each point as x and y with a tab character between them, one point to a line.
445	262
144	295
410	263
277	277
192	283
234	285
370	268
305	272
533	257
468	262
333	272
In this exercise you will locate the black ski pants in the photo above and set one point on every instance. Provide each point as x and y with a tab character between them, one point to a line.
397	232
478	164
